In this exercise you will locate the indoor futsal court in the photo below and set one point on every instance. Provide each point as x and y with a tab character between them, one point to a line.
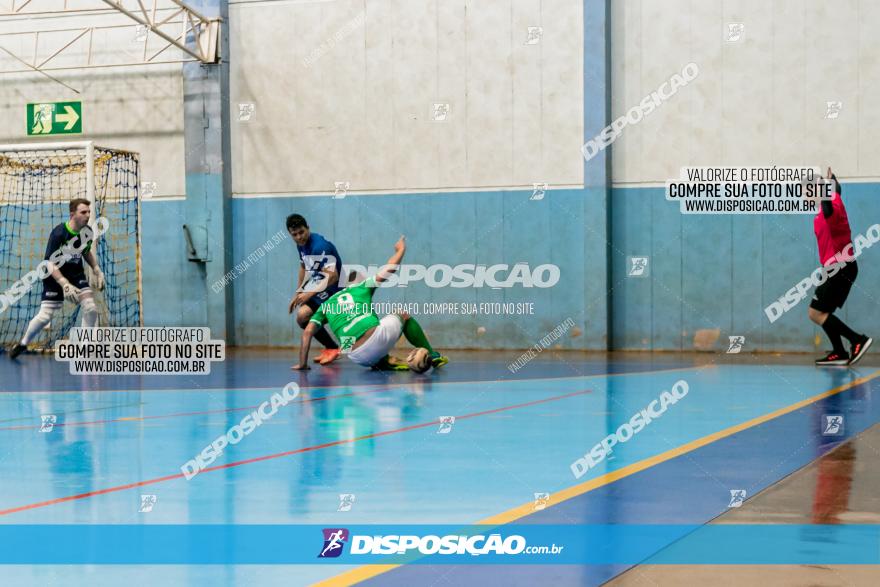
439	293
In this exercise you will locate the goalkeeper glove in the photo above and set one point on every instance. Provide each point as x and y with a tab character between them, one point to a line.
98	279
71	294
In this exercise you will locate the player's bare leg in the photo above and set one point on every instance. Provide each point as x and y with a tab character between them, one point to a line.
414	334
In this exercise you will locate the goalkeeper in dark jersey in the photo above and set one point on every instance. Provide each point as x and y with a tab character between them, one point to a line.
362	335
69	243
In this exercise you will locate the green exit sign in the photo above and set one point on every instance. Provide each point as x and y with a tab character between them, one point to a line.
54	118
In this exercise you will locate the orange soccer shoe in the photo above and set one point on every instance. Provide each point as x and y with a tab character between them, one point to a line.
327	356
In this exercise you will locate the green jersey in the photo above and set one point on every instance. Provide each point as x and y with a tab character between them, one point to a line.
349	312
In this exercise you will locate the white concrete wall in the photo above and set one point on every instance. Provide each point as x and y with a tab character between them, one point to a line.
758	101
134	108
360	109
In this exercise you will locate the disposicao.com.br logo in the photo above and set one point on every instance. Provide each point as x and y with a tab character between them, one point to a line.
466	275
335	540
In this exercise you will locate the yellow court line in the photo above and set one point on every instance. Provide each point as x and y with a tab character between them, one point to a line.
369	571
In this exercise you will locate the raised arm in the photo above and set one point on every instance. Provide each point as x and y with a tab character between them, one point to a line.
393	262
827	207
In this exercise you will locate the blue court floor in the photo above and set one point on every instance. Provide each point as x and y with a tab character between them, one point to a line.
742	425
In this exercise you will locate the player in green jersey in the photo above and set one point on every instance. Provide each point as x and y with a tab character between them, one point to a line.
365	338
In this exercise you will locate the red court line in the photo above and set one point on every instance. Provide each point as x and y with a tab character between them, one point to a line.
306	449
182	414
201	413
369	388
424	380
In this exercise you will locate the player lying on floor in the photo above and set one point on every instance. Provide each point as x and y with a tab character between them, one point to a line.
362	335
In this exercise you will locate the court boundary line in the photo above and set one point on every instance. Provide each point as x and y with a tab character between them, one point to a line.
365	572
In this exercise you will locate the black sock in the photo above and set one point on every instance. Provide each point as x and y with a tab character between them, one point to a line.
325	339
842	329
831	331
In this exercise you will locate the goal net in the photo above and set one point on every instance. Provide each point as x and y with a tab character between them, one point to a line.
36	184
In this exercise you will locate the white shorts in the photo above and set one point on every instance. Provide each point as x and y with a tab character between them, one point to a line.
380	342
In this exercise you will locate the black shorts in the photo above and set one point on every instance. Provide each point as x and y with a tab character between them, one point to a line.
833	293
318	299
52	292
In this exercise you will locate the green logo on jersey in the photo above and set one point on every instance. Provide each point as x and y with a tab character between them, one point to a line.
347	344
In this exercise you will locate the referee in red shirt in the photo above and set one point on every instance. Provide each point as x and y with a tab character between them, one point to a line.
834	239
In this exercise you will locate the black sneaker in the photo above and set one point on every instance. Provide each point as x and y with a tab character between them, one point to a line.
832	359
859	349
17	350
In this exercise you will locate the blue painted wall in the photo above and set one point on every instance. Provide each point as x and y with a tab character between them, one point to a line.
720	272
480	228
706	272
174	290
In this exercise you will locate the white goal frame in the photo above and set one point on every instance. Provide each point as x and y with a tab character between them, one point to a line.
89	147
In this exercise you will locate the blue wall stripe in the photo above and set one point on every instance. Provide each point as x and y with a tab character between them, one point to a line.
722	271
